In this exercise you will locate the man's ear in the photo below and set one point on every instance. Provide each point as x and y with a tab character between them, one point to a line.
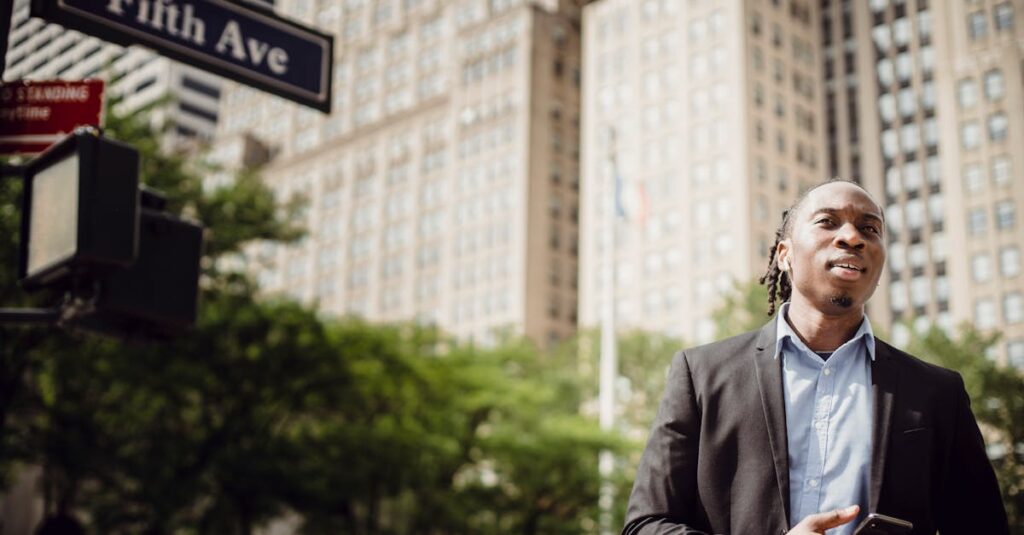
782	259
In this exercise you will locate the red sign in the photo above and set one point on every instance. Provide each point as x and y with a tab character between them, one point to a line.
35	115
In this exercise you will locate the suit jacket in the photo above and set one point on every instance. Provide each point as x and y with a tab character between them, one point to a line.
717	460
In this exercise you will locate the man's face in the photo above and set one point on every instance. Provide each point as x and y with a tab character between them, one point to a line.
835	252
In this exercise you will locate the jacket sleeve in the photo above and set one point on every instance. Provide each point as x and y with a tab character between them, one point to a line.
664	497
969	499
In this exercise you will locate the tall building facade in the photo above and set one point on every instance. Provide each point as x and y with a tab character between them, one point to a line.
924	103
713	109
443	186
38	50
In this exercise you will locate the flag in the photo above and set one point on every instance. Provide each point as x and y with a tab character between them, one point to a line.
630	199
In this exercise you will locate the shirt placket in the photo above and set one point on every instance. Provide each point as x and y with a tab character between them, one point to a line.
817	449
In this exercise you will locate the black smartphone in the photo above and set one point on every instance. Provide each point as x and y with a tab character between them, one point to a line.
876	524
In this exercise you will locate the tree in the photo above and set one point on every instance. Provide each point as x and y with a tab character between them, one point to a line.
743	309
995	392
97	413
266	408
643	362
451	438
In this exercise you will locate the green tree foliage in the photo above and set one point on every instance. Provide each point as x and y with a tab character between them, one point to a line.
266	409
744	308
643	362
996	400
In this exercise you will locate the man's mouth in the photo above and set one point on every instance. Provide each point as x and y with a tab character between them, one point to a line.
846	269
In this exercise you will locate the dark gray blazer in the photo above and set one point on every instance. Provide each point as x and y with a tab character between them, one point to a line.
717	461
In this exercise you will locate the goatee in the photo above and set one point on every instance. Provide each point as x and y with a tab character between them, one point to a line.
844	301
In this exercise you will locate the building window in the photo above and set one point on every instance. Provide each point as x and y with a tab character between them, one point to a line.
977	25
907	102
885	72
919	291
1009	261
931	132
967	93
1006	215
997	125
890	144
1013	307
909	137
984	314
1001	174
976	222
995	87
970	135
974	178
981	267
1003	15
904	67
1015	353
901	31
897	296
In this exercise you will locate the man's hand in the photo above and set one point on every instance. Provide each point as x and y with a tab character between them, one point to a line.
816	524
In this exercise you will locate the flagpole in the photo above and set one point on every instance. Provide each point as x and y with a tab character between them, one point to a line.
608	362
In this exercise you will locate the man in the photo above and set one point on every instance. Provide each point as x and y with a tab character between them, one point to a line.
811	423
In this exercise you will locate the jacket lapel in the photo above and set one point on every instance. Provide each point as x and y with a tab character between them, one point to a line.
883	388
769	381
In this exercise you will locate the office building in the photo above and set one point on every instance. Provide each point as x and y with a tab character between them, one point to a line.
924	102
443	186
712	110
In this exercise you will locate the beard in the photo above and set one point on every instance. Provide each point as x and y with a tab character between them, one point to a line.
842	300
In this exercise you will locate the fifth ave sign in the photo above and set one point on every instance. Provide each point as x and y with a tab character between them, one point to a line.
243	42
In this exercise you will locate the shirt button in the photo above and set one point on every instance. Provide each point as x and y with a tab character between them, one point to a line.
819	425
813	483
828	371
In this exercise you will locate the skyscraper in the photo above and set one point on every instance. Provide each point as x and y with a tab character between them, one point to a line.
725	111
443	185
924	102
715	112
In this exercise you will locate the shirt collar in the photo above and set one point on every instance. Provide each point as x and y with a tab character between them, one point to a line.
784	331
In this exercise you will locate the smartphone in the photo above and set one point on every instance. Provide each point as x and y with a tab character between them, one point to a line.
876	524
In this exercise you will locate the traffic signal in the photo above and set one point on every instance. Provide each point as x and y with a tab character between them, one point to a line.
126	267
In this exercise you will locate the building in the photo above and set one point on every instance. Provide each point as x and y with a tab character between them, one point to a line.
924	103
715	109
38	50
443	186
724	111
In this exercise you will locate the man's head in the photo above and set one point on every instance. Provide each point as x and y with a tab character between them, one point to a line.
829	251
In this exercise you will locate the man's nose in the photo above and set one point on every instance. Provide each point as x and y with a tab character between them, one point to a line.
848	236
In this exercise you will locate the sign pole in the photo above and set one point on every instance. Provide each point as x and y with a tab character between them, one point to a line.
6	12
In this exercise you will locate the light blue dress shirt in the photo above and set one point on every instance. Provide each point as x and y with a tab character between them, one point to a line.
828	423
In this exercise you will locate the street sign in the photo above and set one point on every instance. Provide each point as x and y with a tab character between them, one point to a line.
241	41
35	115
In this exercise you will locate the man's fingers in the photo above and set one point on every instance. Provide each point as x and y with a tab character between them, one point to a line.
831	519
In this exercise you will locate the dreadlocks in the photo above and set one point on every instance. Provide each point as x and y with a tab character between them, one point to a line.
779	286
775	278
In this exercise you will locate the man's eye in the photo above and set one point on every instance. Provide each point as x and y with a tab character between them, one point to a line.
872	229
824	221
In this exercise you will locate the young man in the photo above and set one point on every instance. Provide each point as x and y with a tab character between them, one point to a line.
811	423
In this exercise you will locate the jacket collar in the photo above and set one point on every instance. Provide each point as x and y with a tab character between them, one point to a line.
769	381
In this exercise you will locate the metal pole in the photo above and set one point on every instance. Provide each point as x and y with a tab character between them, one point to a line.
29	315
6	12
609	358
